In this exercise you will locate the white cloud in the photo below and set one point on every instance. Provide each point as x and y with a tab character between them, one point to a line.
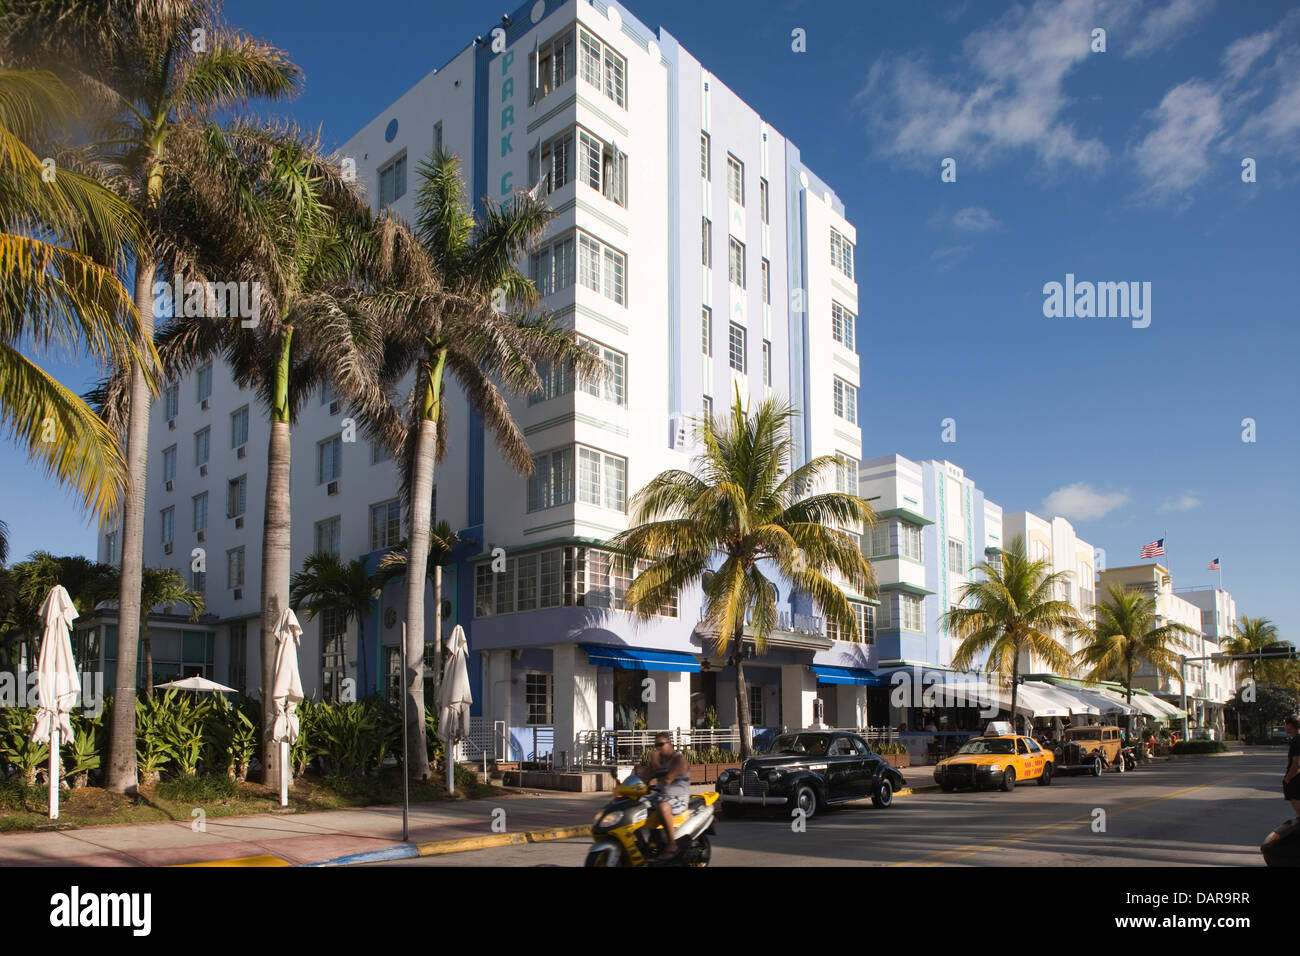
1080	500
947	257
1241	54
975	219
1008	97
1189	501
1175	155
1164	25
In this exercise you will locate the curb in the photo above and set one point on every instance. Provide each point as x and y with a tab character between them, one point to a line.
399	852
907	791
439	847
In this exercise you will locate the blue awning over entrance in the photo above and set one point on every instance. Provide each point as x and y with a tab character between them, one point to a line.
844	675
640	659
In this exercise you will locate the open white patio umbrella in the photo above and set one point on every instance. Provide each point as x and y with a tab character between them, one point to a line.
454	699
286	691
198	684
56	683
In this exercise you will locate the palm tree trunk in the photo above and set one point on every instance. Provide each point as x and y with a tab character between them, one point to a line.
148	657
121	775
416	570
742	694
275	580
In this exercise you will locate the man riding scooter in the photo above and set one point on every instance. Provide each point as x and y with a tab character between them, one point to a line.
673	773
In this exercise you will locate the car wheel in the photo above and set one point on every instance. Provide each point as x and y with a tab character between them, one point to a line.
883	798
1045	778
1009	779
947	787
1119	764
701	851
805	798
1096	766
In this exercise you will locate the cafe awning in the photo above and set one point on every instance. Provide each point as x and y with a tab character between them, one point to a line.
826	674
640	659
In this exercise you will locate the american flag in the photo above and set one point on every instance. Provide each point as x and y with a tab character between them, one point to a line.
1155	549
1214	565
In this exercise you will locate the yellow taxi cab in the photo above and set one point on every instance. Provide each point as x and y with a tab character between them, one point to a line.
1000	758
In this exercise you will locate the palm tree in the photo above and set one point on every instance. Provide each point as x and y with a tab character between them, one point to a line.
87	582
393	565
742	508
327	584
1126	635
60	242
162	587
1251	635
1009	611
154	70
460	334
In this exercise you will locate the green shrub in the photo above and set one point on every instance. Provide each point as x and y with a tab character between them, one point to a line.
199	788
83	753
1199	747
16	747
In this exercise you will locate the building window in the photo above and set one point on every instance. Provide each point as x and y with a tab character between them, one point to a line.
880	539
842	321
909	540
767	362
708	407
171	401
557	162
612	386
846	474
437	136
235	568
736	262
756	705
956	557
705	155
736	346
168	525
911	612
557	380
706	329
552	266
110	546
236	496
551	483
735	180
846	401
333	641
883	616
200	511
392	181
602	167
201	441
203	380
767	282
762	200
537	698
169	463
327	536
329	459
199	581
239	427
554	65
706	242
841	253
602	67
379	452
385	525
602	268
602	479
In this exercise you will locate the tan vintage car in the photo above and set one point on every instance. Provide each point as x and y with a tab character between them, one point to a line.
1090	749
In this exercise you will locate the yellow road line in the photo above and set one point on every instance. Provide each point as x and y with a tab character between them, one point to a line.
265	860
971	849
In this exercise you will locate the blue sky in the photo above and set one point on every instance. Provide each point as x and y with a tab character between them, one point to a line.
1123	165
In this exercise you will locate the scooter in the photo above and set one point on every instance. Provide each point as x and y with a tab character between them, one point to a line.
628	830
1282	846
1128	759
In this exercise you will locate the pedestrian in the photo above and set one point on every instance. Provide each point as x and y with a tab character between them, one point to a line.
1291	781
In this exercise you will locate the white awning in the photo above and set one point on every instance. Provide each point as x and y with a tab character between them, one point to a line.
1167	709
1038	701
1143	703
1064	696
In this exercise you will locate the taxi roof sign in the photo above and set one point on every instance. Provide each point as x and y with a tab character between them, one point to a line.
999	728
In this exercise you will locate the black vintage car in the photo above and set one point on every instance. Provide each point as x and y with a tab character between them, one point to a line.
810	769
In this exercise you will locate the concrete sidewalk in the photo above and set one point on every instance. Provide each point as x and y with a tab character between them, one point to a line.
296	838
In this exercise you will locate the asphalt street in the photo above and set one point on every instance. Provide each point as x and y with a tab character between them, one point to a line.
1210	811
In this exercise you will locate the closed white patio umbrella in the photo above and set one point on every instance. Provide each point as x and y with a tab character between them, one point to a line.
454	699
286	691
56	683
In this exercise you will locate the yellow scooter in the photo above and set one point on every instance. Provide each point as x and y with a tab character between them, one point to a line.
628	830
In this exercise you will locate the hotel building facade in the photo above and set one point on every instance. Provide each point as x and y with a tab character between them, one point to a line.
699	255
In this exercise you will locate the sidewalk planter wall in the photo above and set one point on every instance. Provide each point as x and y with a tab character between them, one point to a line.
897	760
